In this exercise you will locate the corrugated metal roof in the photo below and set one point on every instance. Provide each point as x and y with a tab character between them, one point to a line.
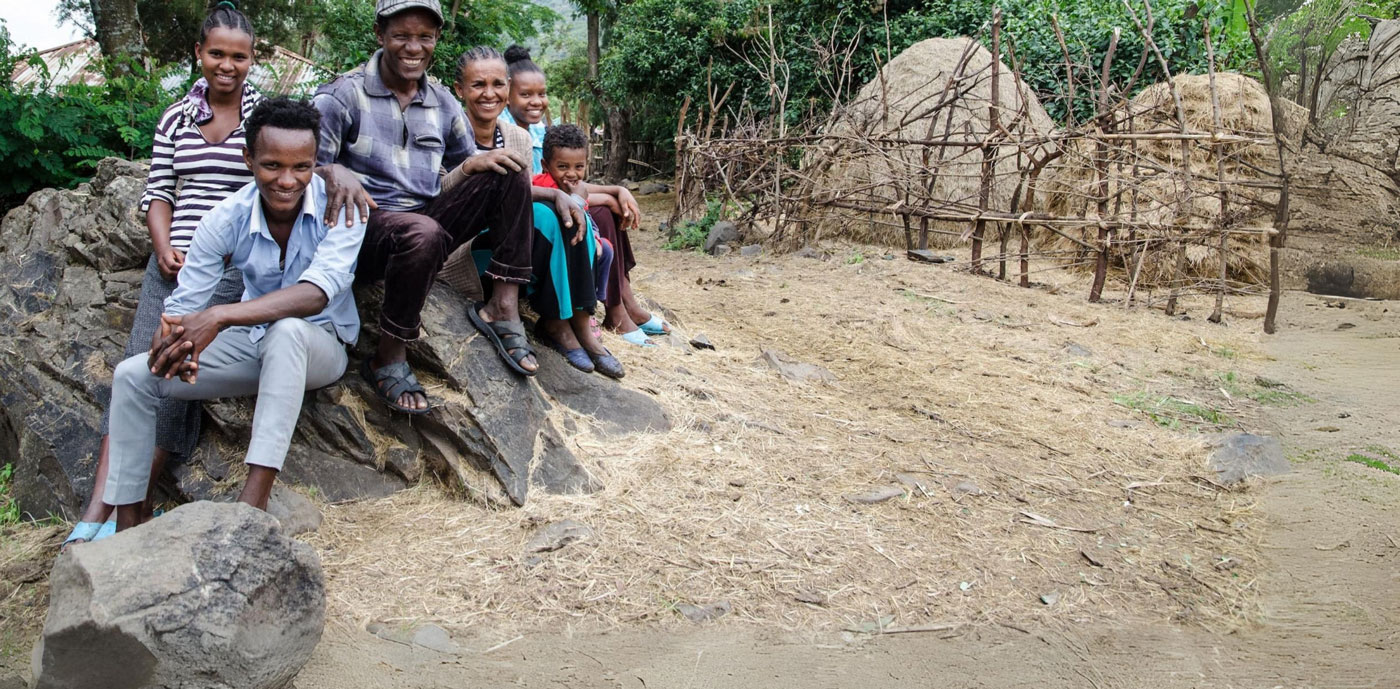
68	64
73	63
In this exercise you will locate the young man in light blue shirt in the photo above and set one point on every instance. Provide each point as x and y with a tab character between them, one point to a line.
286	336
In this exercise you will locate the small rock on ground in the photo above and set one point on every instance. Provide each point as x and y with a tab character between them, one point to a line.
1238	456
700	341
557	535
967	488
294	511
1077	350
705	613
723	232
876	495
751	250
794	370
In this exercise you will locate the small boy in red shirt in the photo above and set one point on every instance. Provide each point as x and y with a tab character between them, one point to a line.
566	168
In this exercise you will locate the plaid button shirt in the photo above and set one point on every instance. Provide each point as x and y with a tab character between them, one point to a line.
398	154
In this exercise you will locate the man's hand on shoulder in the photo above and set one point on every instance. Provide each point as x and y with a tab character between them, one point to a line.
344	192
502	161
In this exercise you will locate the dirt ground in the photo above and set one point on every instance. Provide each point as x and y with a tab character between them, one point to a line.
1057	528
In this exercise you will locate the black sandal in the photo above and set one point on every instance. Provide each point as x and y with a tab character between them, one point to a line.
507	336
401	380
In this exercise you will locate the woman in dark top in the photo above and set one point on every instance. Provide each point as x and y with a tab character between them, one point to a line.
563	292
196	162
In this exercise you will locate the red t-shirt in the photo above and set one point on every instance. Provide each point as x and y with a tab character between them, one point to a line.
544	180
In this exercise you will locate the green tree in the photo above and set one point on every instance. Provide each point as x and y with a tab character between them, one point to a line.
662	51
171	27
52	135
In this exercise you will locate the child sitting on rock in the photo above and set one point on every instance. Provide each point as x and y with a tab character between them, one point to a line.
612	210
565	162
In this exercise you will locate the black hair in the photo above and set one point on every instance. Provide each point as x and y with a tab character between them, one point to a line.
518	61
282	113
477	54
563	136
225	15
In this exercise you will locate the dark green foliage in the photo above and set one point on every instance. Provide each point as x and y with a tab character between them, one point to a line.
54	136
663	50
172	26
692	235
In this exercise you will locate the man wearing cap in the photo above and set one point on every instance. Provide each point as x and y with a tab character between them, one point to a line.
387	127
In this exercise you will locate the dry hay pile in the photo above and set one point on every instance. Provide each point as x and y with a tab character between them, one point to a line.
1167	200
938	89
942	379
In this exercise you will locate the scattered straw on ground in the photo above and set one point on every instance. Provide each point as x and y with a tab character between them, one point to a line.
943	376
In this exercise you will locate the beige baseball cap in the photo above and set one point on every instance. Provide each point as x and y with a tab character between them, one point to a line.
384	8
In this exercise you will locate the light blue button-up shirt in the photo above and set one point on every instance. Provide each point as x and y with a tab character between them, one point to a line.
323	256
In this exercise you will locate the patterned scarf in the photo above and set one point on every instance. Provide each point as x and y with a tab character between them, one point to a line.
196	103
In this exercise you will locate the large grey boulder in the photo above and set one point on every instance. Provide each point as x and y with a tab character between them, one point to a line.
209	595
71	263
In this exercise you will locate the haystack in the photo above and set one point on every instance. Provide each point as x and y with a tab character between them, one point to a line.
1151	186
940	90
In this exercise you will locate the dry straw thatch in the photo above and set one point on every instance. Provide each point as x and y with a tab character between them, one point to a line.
1149	185
939	89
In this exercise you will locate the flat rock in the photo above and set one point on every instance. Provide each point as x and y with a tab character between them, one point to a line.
751	250
967	488
1237	456
876	495
705	613
293	511
723	232
720	250
434	638
653	188
557	535
809	252
926	256
701	341
794	370
616	409
1078	351
208	595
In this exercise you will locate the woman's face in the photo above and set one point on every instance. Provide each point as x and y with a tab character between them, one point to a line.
528	98
484	89
225	57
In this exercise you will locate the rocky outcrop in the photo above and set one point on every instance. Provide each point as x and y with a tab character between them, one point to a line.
208	595
70	271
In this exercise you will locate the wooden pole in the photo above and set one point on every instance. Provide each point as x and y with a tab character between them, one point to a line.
1101	154
1224	189
989	147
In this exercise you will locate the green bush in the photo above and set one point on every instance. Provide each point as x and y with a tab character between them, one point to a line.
692	235
53	135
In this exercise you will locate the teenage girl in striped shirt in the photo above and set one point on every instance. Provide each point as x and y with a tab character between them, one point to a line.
197	162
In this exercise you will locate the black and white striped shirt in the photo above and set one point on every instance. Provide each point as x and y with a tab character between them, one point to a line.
190	173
